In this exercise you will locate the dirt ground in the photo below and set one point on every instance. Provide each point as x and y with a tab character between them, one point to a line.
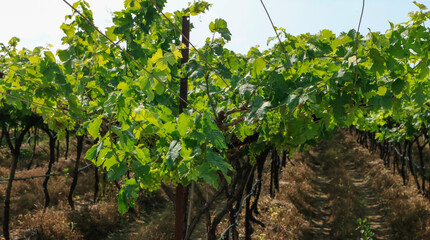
335	190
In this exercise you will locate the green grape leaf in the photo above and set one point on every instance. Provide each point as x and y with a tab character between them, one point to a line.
424	73
94	126
216	137
397	51
173	153
381	90
107	158
397	86
117	171
378	60
207	173
220	26
183	122
110	33
142	173
246	90
421	6
93	152
218	161
419	96
49	56
199	7
127	195
259	108
127	140
63	55
259	64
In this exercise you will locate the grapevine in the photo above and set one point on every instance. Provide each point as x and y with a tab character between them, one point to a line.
240	107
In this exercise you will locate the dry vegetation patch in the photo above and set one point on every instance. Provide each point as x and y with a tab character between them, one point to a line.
286	214
406	211
318	198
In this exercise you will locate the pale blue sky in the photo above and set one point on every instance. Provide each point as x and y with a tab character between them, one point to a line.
37	22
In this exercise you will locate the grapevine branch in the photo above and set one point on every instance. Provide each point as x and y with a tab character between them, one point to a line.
235	122
207	204
407	158
236	216
129	55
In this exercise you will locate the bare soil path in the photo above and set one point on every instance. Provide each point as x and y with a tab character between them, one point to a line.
342	195
320	224
373	210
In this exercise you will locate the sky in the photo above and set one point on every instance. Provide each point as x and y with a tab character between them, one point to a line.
37	22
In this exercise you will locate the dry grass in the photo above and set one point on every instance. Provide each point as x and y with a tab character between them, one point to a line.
159	228
96	221
285	215
28	195
406	212
51	224
30	221
345	202
88	222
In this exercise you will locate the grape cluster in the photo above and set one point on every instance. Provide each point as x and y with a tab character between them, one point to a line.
273	120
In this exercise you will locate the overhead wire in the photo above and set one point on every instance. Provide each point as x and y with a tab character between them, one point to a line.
357	34
36	104
46	175
33	103
280	42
